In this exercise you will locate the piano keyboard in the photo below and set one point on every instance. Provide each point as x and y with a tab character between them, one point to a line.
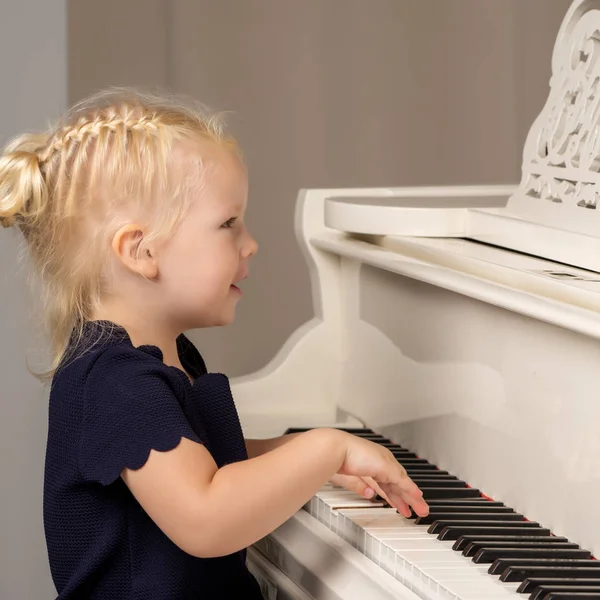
469	547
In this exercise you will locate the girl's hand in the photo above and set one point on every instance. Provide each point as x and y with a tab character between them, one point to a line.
363	486
370	469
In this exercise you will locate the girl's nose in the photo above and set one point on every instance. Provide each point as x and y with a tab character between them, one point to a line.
250	246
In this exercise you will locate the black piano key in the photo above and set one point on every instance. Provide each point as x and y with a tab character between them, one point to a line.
421	466
434	475
453	532
572	596
448	492
474	516
353	430
357	431
437	526
472	548
413	462
541	591
479	501
531	584
468	507
460	510
519	573
372	437
489	555
402	454
517	570
430	473
500	564
474	507
455	483
360	430
480	540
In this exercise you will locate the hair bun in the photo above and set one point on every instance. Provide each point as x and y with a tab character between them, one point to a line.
22	188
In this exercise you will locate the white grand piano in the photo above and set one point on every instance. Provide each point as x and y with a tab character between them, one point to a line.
462	324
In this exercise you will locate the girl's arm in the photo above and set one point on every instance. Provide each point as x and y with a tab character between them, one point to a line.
364	487
211	512
258	447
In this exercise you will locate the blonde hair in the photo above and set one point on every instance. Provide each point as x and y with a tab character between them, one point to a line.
111	150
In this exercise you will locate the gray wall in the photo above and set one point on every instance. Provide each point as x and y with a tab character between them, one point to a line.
33	71
335	93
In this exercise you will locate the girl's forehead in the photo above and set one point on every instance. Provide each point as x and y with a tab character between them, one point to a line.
209	152
224	180
218	164
222	186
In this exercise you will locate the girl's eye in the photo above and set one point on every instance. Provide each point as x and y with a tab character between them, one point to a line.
229	223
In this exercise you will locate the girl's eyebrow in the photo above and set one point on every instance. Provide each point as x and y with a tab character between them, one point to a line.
234	207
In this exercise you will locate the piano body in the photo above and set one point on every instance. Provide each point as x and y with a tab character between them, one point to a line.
463	324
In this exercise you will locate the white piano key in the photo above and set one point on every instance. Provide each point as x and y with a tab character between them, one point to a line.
381	518
337	499
437	565
452	573
424	557
427	566
358	523
410	543
467	568
481	590
405	533
459	574
387	559
419	583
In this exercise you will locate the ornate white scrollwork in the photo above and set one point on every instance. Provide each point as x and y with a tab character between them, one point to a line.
561	159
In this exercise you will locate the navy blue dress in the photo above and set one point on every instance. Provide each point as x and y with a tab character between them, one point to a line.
108	408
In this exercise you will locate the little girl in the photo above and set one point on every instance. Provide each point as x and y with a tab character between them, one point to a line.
132	209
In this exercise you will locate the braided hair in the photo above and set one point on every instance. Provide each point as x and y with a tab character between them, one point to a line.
65	190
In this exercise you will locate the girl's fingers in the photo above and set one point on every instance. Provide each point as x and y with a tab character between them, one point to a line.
404	495
373	484
354	484
400	496
419	506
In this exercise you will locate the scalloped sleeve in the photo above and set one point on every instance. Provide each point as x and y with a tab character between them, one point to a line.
131	406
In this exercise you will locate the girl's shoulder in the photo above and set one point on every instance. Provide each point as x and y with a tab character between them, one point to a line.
104	352
117	402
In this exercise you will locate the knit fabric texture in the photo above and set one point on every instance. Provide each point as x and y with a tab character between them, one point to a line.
109	406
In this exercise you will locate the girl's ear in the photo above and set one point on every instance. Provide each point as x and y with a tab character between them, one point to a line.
127	244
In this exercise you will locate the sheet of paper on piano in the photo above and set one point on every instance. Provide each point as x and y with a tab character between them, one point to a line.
464	324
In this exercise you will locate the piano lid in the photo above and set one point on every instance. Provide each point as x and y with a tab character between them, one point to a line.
554	212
